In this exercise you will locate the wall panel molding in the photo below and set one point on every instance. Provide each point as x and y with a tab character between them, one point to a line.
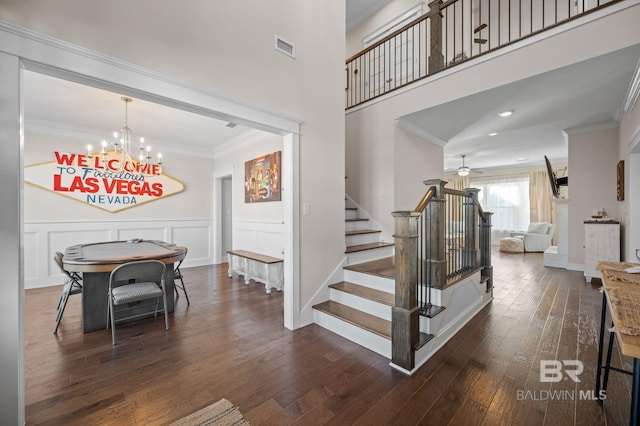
43	239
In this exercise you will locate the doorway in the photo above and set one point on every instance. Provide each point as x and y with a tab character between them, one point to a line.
226	216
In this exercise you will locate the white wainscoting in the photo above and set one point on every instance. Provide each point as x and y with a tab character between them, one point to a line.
42	240
259	237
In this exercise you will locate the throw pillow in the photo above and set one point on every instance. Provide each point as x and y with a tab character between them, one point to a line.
538	228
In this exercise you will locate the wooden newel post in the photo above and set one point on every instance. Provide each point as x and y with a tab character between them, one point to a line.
485	248
471	253
436	58
405	326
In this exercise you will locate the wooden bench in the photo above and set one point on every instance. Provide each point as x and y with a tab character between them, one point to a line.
259	267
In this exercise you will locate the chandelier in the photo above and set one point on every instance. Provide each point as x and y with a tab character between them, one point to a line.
122	157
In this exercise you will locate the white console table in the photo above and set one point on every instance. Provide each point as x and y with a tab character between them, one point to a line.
258	267
601	243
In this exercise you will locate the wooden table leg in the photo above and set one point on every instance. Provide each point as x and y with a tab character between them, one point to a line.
599	367
634	418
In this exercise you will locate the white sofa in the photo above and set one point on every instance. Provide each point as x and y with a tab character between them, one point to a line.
538	236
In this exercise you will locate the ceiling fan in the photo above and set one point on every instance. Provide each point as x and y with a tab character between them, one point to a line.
464	170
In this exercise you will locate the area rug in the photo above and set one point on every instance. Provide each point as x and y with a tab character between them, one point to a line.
221	413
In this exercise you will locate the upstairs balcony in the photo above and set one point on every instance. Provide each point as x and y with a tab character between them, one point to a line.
448	34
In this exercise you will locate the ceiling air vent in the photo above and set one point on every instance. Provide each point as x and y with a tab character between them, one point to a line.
285	47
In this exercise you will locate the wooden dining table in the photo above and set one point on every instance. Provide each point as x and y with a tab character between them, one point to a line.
95	261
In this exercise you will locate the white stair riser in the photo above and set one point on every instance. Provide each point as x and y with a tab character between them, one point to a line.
371	281
365	305
463	301
356	334
354	240
357	225
350	214
436	296
366	255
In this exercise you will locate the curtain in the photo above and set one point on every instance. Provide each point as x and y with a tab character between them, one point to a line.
508	198
458	183
540	197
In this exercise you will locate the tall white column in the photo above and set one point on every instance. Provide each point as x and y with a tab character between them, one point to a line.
11	258
558	256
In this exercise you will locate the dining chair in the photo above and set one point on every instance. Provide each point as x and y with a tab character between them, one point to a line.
177	275
134	282
71	286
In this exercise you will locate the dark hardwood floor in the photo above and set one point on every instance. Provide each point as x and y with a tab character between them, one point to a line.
230	343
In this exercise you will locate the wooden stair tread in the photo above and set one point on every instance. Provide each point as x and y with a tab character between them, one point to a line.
351	208
423	339
363	231
355	317
384	267
370	246
365	292
359	219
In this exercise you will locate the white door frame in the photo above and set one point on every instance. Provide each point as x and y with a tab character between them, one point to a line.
218	253
632	217
23	49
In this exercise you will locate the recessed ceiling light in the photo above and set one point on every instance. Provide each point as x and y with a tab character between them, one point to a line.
493	134
522	159
505	113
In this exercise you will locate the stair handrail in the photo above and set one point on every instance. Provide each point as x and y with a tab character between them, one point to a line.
426	198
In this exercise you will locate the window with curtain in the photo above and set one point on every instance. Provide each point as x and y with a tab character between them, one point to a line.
508	199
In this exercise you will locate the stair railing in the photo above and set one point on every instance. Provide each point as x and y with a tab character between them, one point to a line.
449	33
446	238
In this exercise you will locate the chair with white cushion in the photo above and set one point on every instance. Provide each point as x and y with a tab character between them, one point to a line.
134	282
538	236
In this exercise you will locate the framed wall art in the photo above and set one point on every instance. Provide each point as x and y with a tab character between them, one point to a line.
621	180
262	178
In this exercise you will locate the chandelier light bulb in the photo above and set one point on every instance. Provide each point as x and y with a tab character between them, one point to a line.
122	145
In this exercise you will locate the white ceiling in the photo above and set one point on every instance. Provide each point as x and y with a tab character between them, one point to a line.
88	114
55	106
359	10
582	96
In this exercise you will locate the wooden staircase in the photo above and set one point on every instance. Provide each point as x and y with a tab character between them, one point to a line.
359	308
363	237
361	305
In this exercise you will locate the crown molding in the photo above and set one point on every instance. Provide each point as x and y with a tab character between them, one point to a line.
93	136
634	90
421	133
50	56
593	127
634	143
243	140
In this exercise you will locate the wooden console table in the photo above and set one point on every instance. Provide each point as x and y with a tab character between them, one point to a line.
259	267
620	291
96	261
